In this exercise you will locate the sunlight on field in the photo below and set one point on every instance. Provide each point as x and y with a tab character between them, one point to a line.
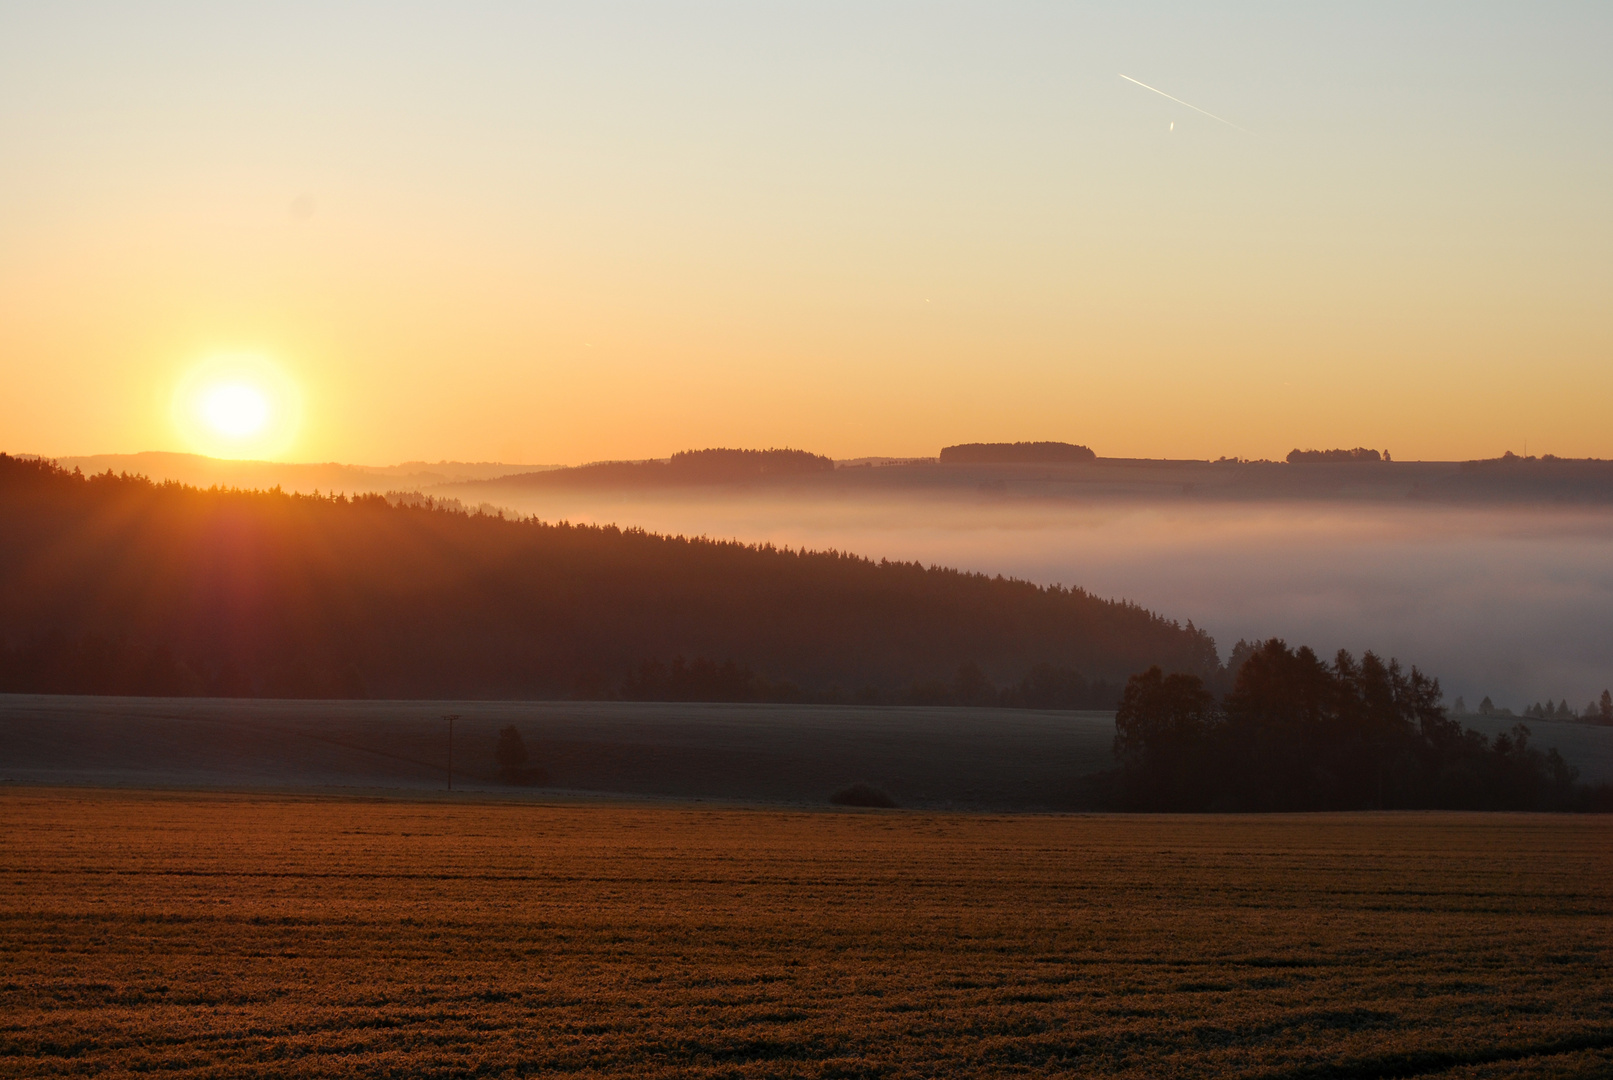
236	936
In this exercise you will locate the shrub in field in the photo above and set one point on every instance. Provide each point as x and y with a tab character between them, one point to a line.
511	757
862	795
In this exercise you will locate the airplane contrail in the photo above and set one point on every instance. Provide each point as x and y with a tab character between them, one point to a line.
1179	101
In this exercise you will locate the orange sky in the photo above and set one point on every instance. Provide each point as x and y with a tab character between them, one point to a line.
487	233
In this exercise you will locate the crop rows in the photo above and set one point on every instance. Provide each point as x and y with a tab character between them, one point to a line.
257	936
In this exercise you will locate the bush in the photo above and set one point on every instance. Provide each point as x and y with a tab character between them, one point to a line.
511	757
862	795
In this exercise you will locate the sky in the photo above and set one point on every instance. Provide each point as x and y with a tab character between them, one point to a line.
556	233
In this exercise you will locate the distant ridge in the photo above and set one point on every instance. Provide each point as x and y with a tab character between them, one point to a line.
711	466
1018	453
1562	480
1310	474
301	477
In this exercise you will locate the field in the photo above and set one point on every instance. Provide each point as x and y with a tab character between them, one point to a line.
1007	759
233	935
930	758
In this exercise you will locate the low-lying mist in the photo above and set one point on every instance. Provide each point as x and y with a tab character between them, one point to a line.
1511	602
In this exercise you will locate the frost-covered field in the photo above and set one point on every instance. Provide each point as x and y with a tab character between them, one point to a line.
227	935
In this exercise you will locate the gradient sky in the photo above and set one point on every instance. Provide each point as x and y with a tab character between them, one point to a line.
558	233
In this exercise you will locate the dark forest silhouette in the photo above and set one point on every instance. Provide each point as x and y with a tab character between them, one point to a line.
1294	733
1326	457
115	585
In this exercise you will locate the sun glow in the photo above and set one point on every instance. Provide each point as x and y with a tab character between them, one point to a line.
239	406
235	410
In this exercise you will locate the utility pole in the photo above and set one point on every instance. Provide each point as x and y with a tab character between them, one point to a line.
451	718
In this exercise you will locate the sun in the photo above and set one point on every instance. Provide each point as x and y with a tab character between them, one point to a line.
237	406
235	410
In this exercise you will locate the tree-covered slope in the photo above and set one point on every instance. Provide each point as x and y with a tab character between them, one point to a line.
115	584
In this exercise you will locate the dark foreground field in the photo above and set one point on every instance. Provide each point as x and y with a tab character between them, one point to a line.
227	935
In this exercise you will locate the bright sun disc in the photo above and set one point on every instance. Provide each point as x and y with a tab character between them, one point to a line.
235	410
238	406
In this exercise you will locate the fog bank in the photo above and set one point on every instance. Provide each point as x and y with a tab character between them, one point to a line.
1511	602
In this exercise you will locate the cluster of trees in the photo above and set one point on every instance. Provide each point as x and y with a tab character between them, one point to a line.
1597	712
1594	712
113	584
1294	733
1486	708
1318	457
1017	453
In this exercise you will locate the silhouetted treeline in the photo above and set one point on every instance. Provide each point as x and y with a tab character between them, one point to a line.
1318	457
113	584
716	466
1045	686
1510	462
1594	712
58	663
701	680
1294	733
1026	453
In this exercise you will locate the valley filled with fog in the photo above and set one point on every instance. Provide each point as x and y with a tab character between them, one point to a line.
1514	602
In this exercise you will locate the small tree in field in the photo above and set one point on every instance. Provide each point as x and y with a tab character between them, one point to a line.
510	754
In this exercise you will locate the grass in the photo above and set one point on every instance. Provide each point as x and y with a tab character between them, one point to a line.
216	935
942	758
923	758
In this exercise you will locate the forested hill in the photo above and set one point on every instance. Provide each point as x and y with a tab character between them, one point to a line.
113	584
687	467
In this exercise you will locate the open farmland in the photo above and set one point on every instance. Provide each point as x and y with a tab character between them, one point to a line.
925	757
1007	759
232	935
